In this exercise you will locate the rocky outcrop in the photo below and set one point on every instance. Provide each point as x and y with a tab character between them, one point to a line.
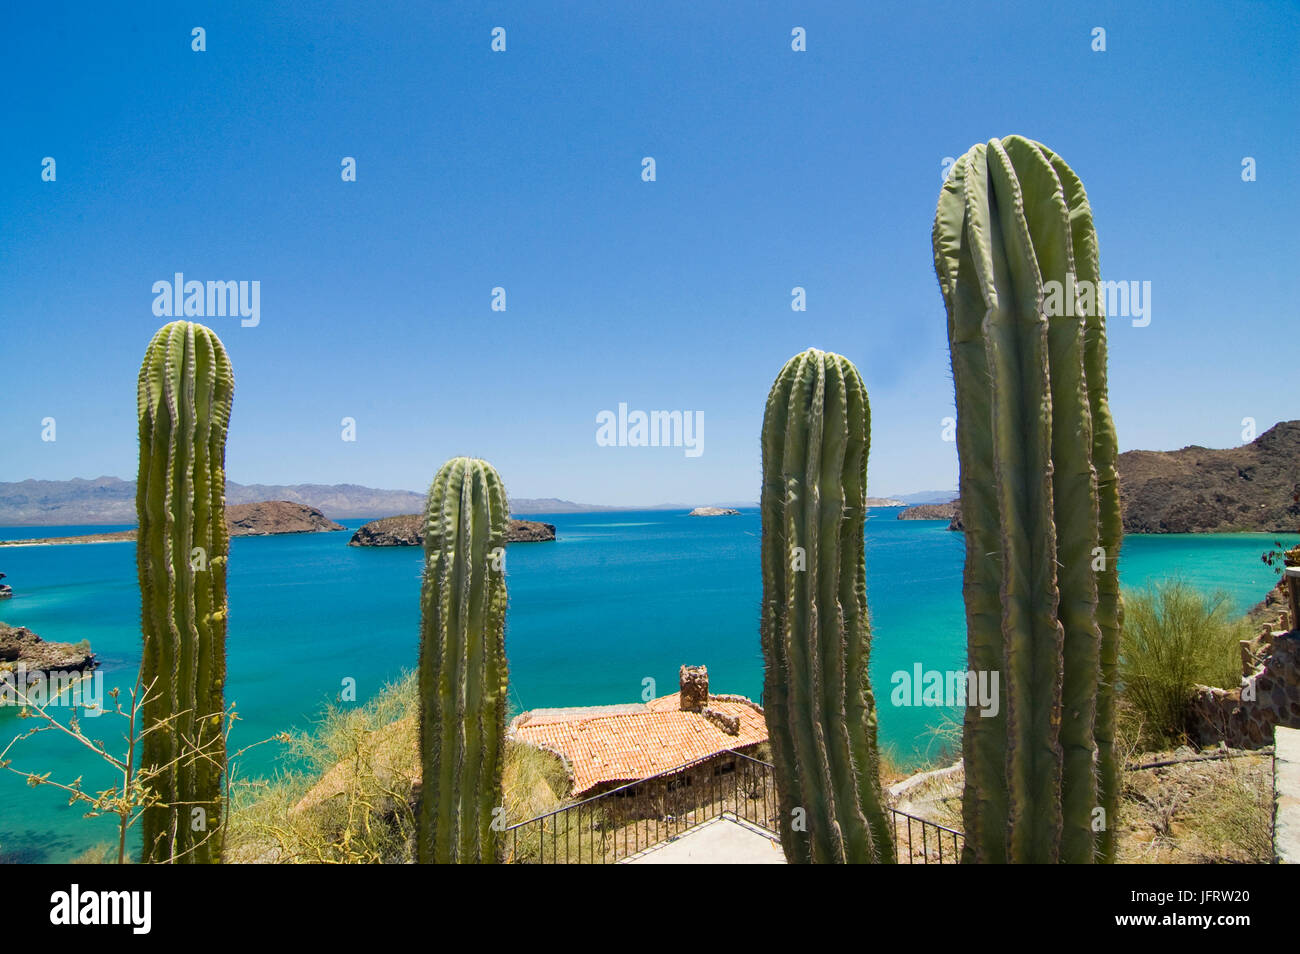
6	590
713	512
944	511
1202	490
20	646
405	531
277	516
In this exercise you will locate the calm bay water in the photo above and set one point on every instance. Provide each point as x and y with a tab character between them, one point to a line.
618	598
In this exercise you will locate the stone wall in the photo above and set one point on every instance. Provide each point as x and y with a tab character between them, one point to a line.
1269	696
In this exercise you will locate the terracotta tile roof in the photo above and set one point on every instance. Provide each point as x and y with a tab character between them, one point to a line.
636	741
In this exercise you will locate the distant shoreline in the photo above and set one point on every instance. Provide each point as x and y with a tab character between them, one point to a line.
121	536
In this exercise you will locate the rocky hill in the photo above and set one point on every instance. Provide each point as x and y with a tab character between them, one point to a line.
1201	490
1254	487
405	531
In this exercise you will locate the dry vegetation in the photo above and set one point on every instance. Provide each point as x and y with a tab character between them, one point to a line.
351	801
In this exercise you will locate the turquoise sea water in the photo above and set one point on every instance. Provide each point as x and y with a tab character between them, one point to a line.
618	598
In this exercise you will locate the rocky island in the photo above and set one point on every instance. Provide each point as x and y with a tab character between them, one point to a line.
20	646
277	516
405	531
242	520
713	512
941	511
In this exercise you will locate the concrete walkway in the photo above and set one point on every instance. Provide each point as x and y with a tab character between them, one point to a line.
720	841
1286	789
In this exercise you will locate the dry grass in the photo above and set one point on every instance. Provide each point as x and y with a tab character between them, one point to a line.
1205	812
1198	812
351	801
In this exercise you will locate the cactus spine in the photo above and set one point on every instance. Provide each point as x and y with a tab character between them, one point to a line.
463	665
183	399
1013	243
815	635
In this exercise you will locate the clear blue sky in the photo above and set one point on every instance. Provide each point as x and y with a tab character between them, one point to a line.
522	169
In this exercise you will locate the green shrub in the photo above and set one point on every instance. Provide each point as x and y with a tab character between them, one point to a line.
1174	638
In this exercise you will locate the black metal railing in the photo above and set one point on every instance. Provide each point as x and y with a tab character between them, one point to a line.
624	821
918	841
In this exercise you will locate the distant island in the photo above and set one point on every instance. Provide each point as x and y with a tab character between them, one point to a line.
885	502
930	511
1251	488
713	512
243	520
406	531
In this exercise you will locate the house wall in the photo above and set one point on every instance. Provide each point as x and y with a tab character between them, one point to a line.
675	794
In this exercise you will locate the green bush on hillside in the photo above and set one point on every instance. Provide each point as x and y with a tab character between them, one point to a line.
1174	638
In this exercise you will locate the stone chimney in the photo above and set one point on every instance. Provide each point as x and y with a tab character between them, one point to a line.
694	688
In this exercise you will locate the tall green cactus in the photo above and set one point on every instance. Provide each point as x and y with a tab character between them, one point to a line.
463	665
817	698
183	399
1013	242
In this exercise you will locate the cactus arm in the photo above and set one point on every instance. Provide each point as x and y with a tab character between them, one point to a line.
1074	494
1018	441
1021	448
984	739
831	687
1105	452
444	665
462	665
815	634
859	709
803	439
775	562
184	396
495	676
851	714
1036	446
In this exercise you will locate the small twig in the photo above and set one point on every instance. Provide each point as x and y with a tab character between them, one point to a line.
1217	756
